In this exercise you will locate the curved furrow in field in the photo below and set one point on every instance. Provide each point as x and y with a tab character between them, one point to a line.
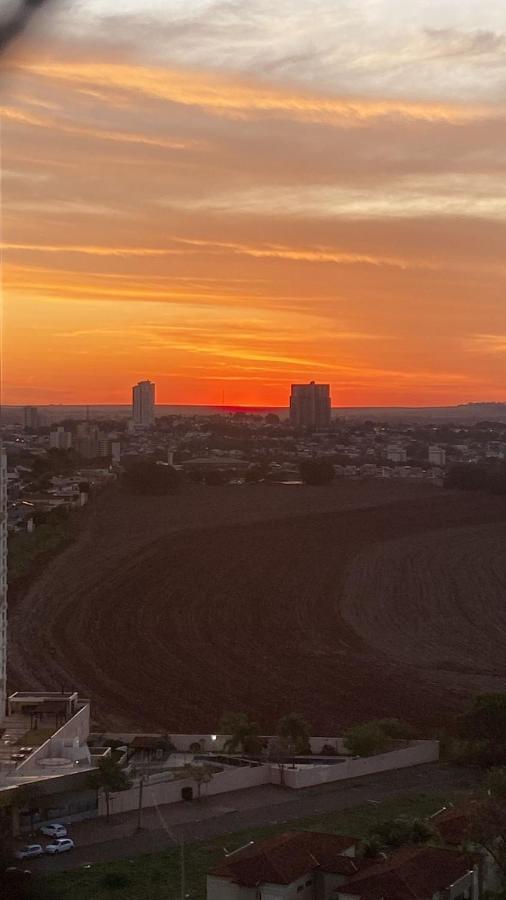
437	602
169	611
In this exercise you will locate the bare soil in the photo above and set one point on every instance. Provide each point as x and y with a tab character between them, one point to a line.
348	602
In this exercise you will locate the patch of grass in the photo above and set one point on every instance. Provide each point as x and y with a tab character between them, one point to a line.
157	875
25	549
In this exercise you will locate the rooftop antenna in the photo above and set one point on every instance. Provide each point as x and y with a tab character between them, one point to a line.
231	852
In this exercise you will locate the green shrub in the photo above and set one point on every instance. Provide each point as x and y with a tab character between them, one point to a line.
365	739
395	729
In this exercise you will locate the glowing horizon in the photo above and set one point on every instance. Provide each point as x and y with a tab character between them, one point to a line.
230	196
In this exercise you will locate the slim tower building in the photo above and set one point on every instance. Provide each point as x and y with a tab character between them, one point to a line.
31	414
143	404
3	582
310	405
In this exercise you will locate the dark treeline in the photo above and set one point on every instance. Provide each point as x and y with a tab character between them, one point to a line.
478	477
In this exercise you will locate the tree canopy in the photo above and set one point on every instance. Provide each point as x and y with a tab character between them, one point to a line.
490	477
110	778
478	735
394	833
365	739
395	729
146	477
244	734
316	471
485	719
295	732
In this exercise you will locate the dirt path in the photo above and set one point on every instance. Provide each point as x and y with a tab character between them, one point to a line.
169	612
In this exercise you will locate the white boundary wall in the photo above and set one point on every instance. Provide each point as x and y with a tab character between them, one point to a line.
243	777
416	755
237	779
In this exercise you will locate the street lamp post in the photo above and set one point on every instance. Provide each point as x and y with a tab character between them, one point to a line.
183	869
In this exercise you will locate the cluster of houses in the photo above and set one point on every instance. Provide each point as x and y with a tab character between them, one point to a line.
434	474
64	492
306	865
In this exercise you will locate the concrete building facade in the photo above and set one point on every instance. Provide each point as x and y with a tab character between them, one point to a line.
437	456
310	405
143	404
59	439
396	454
31	418
3	581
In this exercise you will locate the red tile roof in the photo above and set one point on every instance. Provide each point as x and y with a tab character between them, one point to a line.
283	859
410	874
454	823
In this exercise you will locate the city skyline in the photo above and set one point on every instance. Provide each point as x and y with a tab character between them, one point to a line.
185	195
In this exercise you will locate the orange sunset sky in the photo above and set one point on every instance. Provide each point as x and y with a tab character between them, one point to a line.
231	196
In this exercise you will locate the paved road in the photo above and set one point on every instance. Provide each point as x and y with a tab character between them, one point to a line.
98	841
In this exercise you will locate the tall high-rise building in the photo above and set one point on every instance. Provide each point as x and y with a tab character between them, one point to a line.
310	405
59	439
31	418
143	404
87	440
3	582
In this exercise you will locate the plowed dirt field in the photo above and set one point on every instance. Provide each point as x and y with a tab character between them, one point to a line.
359	600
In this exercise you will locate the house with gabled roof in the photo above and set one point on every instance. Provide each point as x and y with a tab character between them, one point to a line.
309	865
455	827
414	873
303	865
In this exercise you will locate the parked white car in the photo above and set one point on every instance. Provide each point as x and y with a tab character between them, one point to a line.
57	830
60	846
31	850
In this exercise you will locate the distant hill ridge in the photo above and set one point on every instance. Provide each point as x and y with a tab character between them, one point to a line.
473	410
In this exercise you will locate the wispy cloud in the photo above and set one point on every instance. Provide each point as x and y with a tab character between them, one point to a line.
258	193
249	99
487	343
55	125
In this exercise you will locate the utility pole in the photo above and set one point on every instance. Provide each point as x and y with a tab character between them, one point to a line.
139	809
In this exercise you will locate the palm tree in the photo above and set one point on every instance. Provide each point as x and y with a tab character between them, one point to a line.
109	778
294	732
244	734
